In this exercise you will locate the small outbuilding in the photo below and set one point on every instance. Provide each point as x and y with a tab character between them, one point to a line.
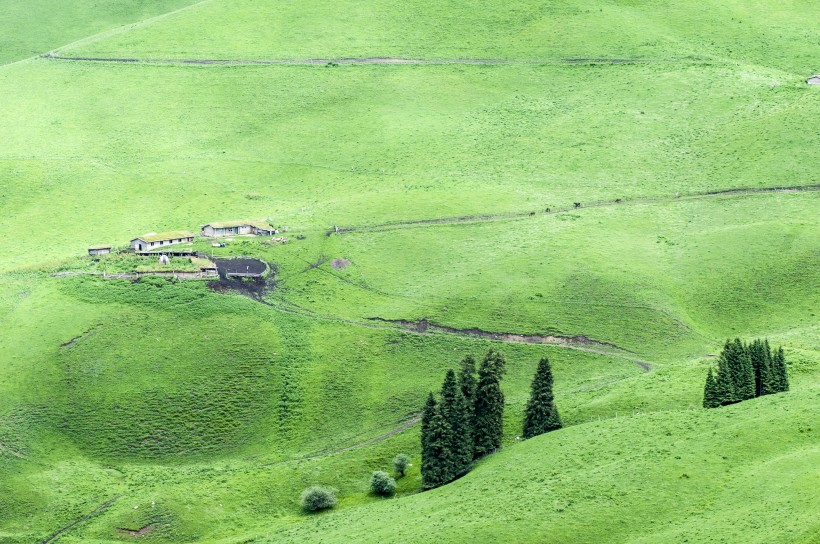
237	228
154	241
99	250
814	80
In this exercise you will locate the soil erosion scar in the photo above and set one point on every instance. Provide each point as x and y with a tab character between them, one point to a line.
423	326
579	342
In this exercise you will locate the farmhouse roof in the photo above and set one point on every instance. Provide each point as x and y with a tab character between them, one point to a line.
99	247
229	224
814	80
171	235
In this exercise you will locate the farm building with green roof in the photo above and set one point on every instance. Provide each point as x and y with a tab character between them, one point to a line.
237	228
155	240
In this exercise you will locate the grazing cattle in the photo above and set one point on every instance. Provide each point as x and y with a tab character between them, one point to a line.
532	213
548	210
577	204
617	201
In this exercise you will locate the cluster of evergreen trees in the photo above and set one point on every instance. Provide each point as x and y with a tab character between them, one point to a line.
467	422
745	371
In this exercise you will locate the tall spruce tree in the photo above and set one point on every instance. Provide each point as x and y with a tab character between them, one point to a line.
454	410
467	382
436	459
740	370
724	387
710	392
780	370
769	378
541	415
747	387
758	358
426	418
489	405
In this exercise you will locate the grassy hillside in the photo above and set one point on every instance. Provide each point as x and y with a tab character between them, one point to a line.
36	26
204	413
163	147
734	31
739	474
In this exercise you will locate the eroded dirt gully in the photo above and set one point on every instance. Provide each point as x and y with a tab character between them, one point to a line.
579	342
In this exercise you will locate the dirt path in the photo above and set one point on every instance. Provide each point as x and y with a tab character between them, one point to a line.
101	508
594	204
54	55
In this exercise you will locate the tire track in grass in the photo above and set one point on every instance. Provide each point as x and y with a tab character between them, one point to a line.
101	508
355	446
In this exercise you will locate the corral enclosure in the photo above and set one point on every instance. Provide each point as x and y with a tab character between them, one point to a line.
241	267
427	160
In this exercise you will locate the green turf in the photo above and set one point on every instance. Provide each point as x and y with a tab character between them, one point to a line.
34	27
734	31
205	413
740	474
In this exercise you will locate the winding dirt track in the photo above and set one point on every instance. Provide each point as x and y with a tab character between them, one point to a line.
54	55
594	204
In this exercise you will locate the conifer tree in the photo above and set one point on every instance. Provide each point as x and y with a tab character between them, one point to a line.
758	359
710	393
740	370
541	415
769	378
780	370
747	376
436	461
467	383
746	371
489	405
426	418
724	388
454	412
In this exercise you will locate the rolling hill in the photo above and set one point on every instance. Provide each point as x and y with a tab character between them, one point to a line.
619	186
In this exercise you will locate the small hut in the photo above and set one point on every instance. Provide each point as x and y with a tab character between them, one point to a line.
237	228
99	250
154	241
814	80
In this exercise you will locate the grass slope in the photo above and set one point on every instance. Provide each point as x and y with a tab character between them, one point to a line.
33	27
735	31
746	473
378	143
205	414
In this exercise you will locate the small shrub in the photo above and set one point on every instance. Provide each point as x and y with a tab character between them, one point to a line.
382	484
317	498
400	463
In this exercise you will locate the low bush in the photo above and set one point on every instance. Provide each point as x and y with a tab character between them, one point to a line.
382	484
400	463
318	498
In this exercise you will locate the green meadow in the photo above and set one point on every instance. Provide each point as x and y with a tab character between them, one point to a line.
198	414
